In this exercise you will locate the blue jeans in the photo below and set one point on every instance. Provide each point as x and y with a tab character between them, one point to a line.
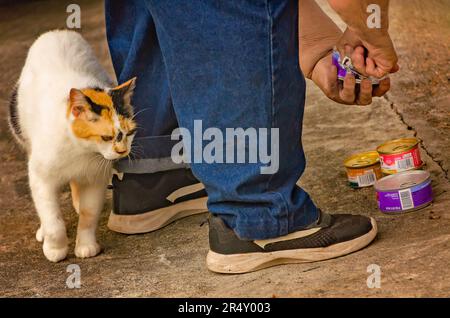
230	64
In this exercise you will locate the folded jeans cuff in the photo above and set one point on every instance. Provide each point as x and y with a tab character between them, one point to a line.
151	154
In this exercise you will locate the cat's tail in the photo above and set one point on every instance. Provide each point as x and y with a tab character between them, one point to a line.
13	118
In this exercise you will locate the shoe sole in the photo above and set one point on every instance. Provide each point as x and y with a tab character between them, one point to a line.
249	262
155	219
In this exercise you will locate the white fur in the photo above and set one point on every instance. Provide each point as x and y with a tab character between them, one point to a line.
57	62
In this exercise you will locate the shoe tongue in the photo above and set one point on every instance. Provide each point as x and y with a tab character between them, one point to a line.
323	221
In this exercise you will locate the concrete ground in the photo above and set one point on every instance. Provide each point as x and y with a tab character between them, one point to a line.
412	250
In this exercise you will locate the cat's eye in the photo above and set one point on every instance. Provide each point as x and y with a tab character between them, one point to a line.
107	138
131	132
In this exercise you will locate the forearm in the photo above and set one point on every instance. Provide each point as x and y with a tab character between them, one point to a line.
317	35
355	13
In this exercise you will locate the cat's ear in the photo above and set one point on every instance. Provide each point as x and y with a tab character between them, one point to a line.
77	102
121	96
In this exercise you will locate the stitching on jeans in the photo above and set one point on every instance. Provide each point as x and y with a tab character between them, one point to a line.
272	111
271	67
269	18
158	27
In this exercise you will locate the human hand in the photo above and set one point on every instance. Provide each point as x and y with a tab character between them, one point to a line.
324	75
381	57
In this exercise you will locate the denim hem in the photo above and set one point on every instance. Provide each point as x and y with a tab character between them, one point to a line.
151	165
150	154
153	146
259	229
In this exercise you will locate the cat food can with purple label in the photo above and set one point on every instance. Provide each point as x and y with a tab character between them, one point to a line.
345	66
404	192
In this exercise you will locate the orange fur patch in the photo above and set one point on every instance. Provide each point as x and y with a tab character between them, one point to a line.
127	83
75	190
97	97
93	130
126	124
103	125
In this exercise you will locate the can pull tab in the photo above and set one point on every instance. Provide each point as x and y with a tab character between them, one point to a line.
346	64
401	147
361	162
408	184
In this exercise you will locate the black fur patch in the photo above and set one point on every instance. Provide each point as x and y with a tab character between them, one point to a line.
14	115
118	102
96	108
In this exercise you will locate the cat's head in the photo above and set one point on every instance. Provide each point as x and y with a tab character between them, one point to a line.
102	119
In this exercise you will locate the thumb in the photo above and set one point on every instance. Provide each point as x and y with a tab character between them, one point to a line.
396	68
347	42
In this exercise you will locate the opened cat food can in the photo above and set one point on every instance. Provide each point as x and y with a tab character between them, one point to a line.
399	155
403	192
363	169
345	66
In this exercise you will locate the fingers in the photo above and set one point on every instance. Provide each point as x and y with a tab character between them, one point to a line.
358	60
382	87
378	71
396	68
331	84
362	95
372	69
347	93
348	50
365	92
325	77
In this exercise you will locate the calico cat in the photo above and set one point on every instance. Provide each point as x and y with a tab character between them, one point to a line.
73	123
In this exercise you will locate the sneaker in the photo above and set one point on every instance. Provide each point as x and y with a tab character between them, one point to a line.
331	236
147	202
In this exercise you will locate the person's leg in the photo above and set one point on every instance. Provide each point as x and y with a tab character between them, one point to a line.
140	195
235	64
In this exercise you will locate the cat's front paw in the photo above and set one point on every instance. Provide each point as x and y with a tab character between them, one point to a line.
40	234
55	254
87	250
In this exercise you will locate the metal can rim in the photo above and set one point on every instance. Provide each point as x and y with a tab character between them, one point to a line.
417	208
416	142
427	177
360	154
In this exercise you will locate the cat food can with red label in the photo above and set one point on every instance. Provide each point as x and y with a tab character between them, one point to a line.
403	192
400	155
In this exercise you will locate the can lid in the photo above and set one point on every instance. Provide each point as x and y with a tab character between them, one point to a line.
402	180
397	145
363	159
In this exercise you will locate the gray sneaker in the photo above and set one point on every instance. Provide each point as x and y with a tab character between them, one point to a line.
331	236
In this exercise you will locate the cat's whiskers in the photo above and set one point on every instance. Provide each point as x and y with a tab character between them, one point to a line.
93	160
142	110
98	162
137	149
136	155
129	158
106	167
